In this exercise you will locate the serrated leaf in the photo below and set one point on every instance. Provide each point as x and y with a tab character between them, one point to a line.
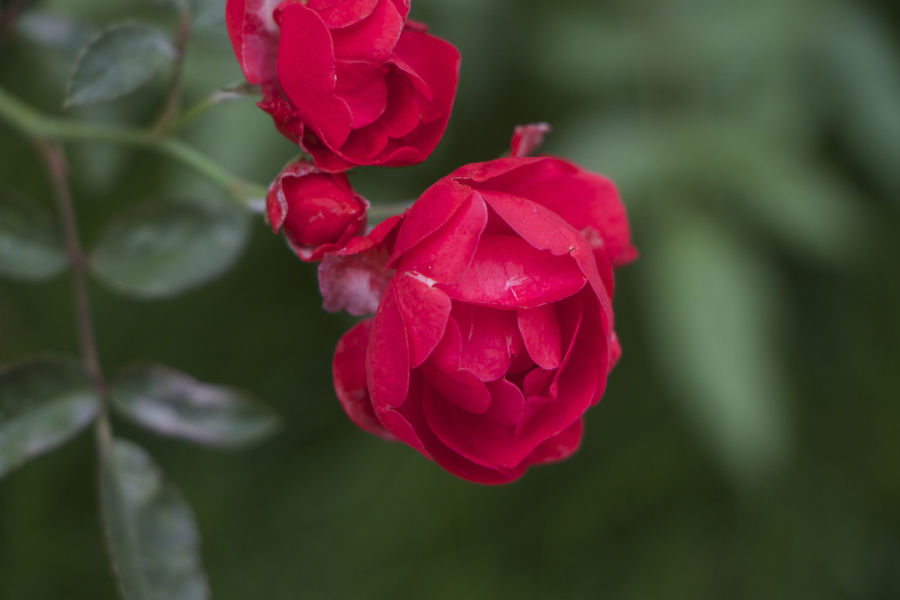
152	532
43	403
30	245
119	61
710	303
160	250
175	404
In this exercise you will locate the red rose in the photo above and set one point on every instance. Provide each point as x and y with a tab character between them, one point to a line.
495	334
353	81
319	212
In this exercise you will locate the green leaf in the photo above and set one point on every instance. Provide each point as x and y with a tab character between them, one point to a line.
160	250
30	245
711	302
43	403
151	529
174	404
119	61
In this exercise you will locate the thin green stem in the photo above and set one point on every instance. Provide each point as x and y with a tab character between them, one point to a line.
173	98
34	124
238	92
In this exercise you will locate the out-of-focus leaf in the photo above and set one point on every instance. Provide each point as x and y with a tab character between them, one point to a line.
208	13
172	403
122	59
30	245
160	250
54	30
152	532
43	403
809	209
711	303
863	71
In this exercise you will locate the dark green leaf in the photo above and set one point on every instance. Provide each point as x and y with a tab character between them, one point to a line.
122	59
30	246
172	403
160	250
43	403
152	533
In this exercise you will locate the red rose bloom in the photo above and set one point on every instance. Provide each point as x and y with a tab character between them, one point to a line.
495	334
352	81
319	212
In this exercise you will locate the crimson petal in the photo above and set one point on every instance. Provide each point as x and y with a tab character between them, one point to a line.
387	359
349	371
508	271
427	309
306	70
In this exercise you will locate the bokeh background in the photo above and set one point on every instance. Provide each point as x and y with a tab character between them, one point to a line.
748	446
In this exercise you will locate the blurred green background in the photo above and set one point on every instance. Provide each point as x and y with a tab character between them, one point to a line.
748	445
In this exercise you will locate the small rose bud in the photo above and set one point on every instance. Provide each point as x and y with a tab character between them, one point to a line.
319	212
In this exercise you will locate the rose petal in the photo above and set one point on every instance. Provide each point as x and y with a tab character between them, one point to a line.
349	371
362	86
400	421
382	235
487	337
558	447
482	440
540	331
459	386
426	309
436	62
615	350
544	229
254	36
461	232
508	271
372	39
580	376
537	381
553	183
306	70
429	213
387	359
342	13
507	402
402	7
447	458
402	113
528	138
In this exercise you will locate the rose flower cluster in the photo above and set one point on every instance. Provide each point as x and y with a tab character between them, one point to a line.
492	295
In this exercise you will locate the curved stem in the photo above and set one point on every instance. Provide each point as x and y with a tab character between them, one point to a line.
35	124
237	92
173	98
55	160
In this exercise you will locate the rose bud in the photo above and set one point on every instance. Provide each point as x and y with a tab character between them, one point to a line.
352	81
495	333
319	212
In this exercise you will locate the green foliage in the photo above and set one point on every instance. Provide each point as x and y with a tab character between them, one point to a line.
174	404
151	529
748	443
30	245
43	404
122	59
712	309
162	249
